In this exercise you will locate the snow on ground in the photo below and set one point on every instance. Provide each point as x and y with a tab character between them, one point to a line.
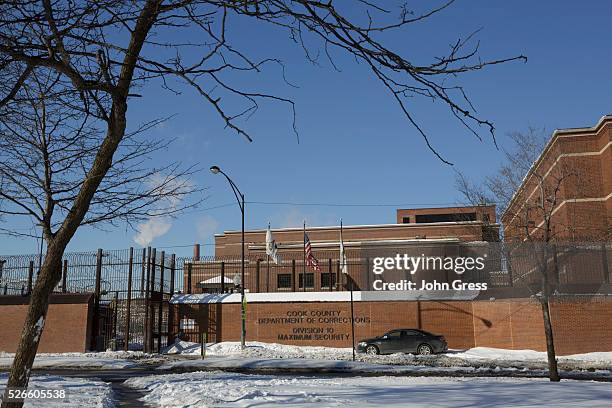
208	389
104	360
80	392
303	365
258	349
487	353
476	356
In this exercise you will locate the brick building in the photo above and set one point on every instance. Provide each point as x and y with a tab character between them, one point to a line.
463	224
577	164
428	231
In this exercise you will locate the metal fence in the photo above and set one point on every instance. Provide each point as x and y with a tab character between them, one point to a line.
131	288
131	291
505	265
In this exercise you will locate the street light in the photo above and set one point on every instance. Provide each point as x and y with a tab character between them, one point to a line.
240	198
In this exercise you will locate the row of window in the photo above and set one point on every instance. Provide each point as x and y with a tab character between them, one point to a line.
283	280
453	217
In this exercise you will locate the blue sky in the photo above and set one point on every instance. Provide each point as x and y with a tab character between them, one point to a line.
355	145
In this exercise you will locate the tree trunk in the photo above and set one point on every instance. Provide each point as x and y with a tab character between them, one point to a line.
48	278
553	372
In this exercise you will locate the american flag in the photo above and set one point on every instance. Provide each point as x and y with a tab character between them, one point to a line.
310	259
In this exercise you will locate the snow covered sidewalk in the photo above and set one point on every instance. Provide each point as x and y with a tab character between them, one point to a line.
209	389
80	392
110	360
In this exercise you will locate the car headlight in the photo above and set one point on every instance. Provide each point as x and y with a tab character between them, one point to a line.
362	344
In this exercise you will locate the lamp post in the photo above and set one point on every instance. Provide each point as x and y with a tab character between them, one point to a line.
240	198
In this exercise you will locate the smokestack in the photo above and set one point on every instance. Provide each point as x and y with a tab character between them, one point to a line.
196	252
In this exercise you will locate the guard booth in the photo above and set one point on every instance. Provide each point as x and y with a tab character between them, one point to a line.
213	285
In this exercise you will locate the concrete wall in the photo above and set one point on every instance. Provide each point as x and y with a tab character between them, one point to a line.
67	328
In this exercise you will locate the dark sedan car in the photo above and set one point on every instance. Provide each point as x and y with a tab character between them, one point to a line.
404	341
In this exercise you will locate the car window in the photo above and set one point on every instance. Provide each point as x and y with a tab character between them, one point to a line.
410	333
393	334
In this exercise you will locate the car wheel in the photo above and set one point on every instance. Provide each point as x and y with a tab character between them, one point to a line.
371	350
424	350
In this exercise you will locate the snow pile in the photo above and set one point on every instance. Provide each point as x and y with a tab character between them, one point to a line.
259	349
204	389
476	357
80	392
487	353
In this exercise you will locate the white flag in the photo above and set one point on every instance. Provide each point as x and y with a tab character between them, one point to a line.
271	248
343	261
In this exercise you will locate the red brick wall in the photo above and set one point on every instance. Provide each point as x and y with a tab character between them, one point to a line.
580	325
586	176
67	328
479	210
229	242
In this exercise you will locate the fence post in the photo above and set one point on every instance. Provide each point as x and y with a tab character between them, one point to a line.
604	260
152	304
147	304
222	277
172	272
257	270
30	275
162	269
161	300
293	275
64	276
268	273
330	274
189	268
96	321
126	340
170	306
152	276
143	267
116	318
367	272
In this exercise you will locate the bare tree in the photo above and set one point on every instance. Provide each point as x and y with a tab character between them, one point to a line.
97	54
527	192
46	149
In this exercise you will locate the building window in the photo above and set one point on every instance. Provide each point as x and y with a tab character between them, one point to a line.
283	281
325	279
187	324
454	217
309	280
406	220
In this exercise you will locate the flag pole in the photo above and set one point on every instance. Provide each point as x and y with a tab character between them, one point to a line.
268	265
351	289
304	260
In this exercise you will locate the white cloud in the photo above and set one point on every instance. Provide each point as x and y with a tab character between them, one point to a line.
157	226
151	229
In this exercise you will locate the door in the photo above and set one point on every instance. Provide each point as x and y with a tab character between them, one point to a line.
410	340
392	342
